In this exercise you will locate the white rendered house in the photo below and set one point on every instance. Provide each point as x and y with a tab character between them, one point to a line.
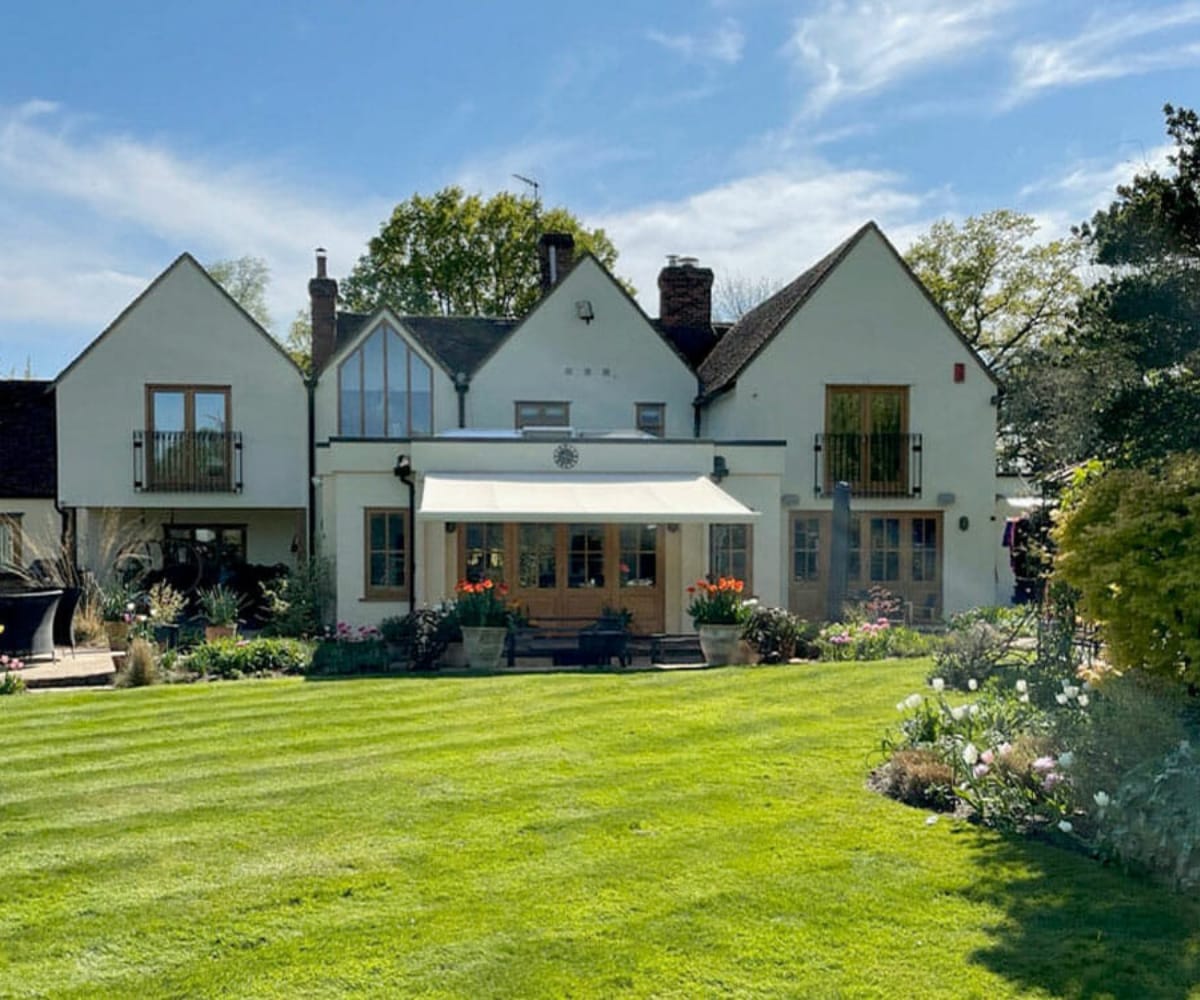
183	428
588	456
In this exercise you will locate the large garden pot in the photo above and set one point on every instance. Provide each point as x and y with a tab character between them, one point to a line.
117	634
719	643
483	646
214	632
454	658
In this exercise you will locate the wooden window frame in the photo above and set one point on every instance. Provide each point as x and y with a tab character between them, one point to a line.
382	330
640	408
897	485
714	552
379	592
152	459
189	391
217	527
541	422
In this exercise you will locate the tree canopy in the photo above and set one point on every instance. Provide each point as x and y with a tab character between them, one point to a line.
1001	289
1141	322
246	280
457	254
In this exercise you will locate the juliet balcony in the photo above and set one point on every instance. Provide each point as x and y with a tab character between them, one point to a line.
874	465
187	461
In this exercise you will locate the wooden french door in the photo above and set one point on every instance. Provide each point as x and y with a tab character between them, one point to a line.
571	570
900	551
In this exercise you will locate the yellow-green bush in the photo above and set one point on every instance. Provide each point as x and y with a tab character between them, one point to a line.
1129	542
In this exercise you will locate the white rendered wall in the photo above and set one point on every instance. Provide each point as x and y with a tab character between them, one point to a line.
870	324
603	368
184	331
40	527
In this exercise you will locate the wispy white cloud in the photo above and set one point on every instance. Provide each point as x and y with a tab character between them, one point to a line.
770	226
1072	194
855	47
724	44
88	217
1111	46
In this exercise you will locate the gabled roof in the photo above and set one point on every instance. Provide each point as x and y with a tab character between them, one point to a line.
456	343
750	334
28	465
464	343
179	261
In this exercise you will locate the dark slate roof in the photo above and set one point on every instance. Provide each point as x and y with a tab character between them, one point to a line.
754	331
457	343
27	441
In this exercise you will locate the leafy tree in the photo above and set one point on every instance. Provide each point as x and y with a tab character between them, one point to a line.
1004	292
245	279
1142	318
457	254
298	342
1129	542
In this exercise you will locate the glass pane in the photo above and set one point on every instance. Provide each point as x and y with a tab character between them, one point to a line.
397	386
378	524
485	552
854	572
350	395
585	555
422	395
378	570
806	547
845	413
168	410
886	409
536	557
373	401
639	555
395	540
395	570
210	411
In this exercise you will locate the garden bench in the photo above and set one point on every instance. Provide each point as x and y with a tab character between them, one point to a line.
567	641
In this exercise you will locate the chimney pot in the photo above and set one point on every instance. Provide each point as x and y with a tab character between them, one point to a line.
321	262
556	254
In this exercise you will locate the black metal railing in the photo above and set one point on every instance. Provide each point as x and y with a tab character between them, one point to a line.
875	465
187	461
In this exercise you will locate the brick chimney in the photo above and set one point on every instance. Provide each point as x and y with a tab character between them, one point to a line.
685	306
556	254
322	294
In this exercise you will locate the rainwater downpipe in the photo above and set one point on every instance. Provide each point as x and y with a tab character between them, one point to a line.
462	382
403	471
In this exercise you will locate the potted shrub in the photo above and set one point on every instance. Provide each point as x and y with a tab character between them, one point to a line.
165	605
417	639
719	614
220	607
483	617
118	607
774	634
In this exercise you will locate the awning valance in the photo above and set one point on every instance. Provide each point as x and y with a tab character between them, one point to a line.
578	497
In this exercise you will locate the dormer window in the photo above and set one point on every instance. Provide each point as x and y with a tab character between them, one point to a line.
385	389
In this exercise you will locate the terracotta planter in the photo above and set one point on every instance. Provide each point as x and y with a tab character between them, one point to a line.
117	634
719	643
212	632
483	646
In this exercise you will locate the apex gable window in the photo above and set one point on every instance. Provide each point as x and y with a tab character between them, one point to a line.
386	555
190	443
538	413
652	418
385	389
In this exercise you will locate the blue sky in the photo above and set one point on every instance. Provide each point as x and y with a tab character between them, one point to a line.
753	134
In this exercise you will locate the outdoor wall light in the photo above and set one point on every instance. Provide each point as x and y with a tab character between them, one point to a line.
964	523
403	468
720	468
584	310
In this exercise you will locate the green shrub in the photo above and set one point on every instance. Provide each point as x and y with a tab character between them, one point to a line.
333	658
872	640
421	636
300	604
140	666
230	658
918	778
777	633
1152	820
11	683
1129	542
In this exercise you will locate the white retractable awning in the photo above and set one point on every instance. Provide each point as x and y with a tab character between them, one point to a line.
579	497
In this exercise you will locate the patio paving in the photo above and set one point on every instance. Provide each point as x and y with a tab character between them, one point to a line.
87	667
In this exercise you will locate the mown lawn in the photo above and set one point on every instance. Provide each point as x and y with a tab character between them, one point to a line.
668	835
